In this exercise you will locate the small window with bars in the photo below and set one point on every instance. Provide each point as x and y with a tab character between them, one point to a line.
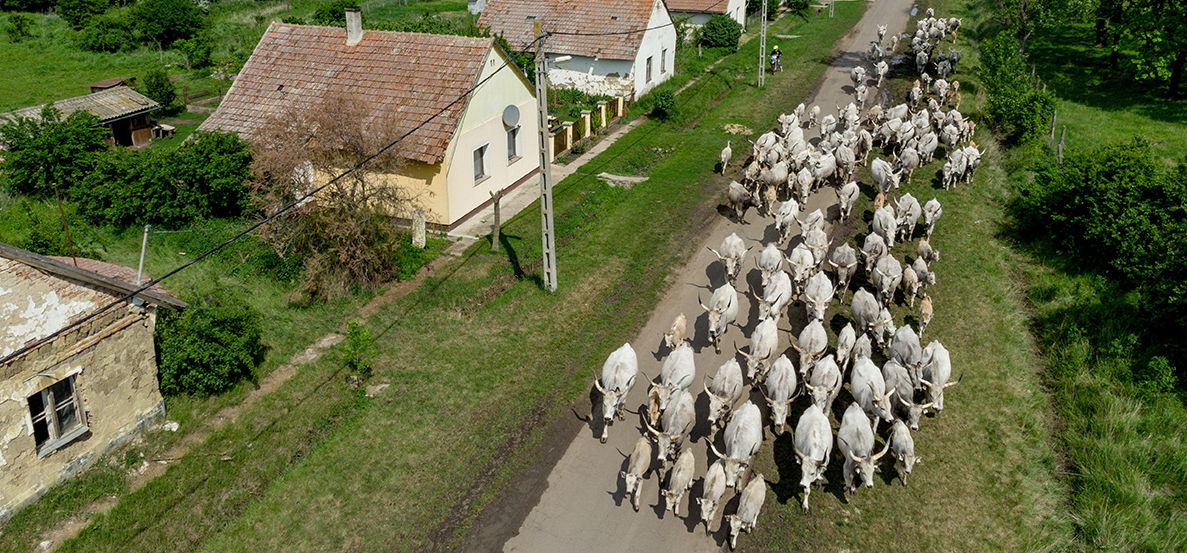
57	416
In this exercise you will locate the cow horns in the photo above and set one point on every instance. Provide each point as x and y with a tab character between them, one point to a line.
598	385
958	379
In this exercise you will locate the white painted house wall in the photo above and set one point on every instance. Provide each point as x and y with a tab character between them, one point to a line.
736	9
659	44
592	75
482	123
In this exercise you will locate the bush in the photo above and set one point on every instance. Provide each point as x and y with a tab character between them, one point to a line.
333	13
50	151
1018	111
206	177
663	104
197	50
19	27
798	7
156	85
43	232
79	13
359	349
1157	376
107	33
721	32
209	346
754	8
166	21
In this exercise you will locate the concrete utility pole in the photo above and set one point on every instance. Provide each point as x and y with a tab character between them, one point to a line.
546	229
762	47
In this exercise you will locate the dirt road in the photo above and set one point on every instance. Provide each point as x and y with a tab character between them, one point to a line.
583	507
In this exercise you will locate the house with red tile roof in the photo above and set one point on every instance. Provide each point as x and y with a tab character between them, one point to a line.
615	47
698	12
65	400
471	114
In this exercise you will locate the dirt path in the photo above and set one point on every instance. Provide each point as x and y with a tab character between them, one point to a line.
583	508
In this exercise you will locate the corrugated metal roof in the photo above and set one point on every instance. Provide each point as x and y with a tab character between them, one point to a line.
516	19
406	77
109	104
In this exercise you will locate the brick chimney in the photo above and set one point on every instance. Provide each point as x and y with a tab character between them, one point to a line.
354	26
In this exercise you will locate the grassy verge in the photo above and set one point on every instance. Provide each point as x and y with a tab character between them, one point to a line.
470	356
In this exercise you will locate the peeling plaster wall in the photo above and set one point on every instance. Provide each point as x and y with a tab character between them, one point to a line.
114	363
593	76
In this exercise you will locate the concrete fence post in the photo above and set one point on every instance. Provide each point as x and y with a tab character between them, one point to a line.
568	126
585	120
602	123
418	228
618	104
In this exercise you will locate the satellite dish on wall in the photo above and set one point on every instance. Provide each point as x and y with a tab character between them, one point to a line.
511	116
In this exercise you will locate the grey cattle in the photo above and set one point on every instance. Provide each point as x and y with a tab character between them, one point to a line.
785	214
763	343
908	215
824	383
781	390
884	175
884	328
856	440
638	465
932	210
743	437
880	70
812	221
802	263
724	390
937	369
847	197
817	242
865	310
804	180
888	273
712	490
723	311
776	295
885	225
731	254
844	262
902	448
818	294
770	259
862	347
847	159
927	277
908	161
857	74
739	199
813	447
811	344
748	508
903	403
675	424
828	124
869	391
676	373
680	480
905	349
928	144
873	248
910	285
618	376
846	339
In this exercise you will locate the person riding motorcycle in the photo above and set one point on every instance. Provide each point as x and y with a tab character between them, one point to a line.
776	59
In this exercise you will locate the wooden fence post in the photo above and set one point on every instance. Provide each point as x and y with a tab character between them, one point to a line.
494	241
1059	147
1053	114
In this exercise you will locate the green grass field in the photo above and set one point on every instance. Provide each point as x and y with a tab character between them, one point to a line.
312	460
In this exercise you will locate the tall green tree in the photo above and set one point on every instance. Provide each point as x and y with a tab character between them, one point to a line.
1028	16
50	152
156	85
78	13
1159	28
165	21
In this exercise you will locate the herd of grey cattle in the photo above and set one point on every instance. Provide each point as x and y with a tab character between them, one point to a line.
783	170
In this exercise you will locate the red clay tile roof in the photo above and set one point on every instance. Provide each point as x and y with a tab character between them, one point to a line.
701	6
408	77
510	18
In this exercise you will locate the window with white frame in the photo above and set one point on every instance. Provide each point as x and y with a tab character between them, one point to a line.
57	415
480	162
513	143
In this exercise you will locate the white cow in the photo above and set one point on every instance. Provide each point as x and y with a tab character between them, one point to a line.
869	391
676	422
712	490
731	254
722	312
785	214
724	390
932	210
764	342
846	339
937	369
781	391
680	480
813	447
618	377
777	294
888	273
638	466
743	437
818	294
811	344
847	197
824	383
748	508
675	374
902	447
844	262
770	259
856	440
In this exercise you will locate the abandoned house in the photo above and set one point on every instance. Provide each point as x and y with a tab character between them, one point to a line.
696	13
66	401
118	108
471	113
618	47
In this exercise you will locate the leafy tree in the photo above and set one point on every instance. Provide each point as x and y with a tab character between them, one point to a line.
110	32
1028	16
526	61
165	21
798	7
1159	28
50	151
214	168
20	27
1016	109
156	85
332	13
209	346
721	32
196	49
78	13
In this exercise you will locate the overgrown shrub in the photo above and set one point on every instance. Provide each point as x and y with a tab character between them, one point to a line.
205	177
359	350
663	104
332	13
165	21
209	346
1016	109
196	49
721	32
156	85
78	13
19	27
49	151
110	32
44	232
